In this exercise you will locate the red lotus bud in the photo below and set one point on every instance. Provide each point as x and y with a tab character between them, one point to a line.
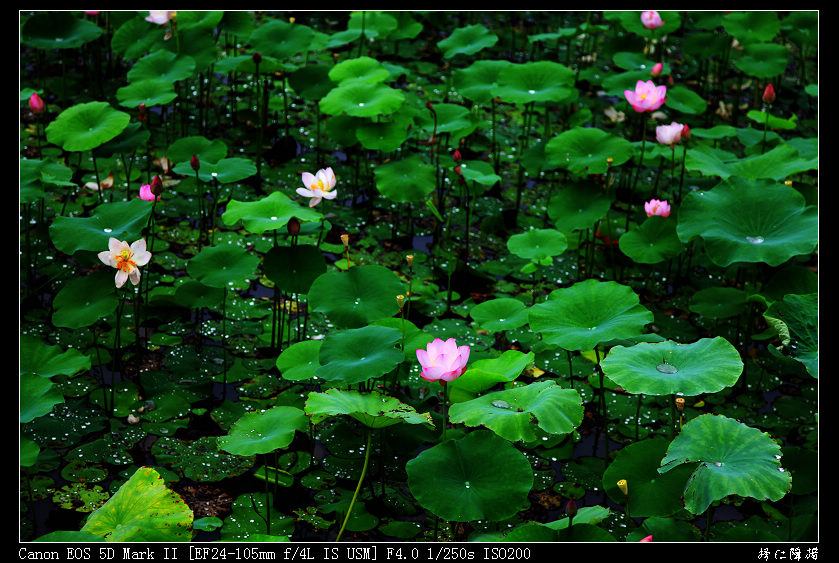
195	163
36	104
257	58
142	116
457	157
293	226
685	132
156	185
571	508
769	94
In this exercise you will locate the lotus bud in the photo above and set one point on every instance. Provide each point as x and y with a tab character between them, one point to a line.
293	226
647	539
769	94
657	68
623	487
142	116
345	238
36	104
788	183
410	259
195	163
680	403
457	157
257	58
685	132
609	161
156	186
651	19
571	508
400	300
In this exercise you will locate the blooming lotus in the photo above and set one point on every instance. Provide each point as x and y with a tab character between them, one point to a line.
443	361
146	194
646	96
647	539
651	20
669	134
160	16
126	259
656	207
318	186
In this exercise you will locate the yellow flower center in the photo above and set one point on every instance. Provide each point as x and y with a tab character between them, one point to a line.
125	261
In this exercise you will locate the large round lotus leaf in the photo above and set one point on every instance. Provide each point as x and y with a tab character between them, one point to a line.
734	459
685	100
162	65
294	268
362	99
467	41
479	172
357	297
267	214
39	358
632	60
455	480
763	60
500	314
58	30
476	81
300	360
142	510
586	150
374	24
373	409
718	302
358	354
263	431
653	242
311	82
650	492
540	81
589	312
781	162
366	69
222	265
37	396
752	26
406	180
764	118
796	318
86	126
749	221
225	171
151	91
281	39
84	300
710	161
453	119
123	220
386	136
205	150
666	368
484	374
578	206
513	414
537	244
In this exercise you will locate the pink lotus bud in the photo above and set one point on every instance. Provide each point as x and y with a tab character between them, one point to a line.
656	207
647	539
646	96
769	94
651	20
669	134
657	68
443	361
160	16
36	104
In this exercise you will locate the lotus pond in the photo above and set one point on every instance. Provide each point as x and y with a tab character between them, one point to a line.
426	276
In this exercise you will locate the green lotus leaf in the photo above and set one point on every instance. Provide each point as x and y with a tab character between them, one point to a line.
225	171
358	354
406	180
86	126
631	60
476	81
357	297
123	220
300	360
749	221
281	39
142	510
589	313
408	27
194	19
467	41
718	302
58	30
650	492
29	451
540	81
205	150
132	138
162	65
779	163
685	100
454	481
512	414
453	119
311	82
222	265
578	206
263	431
715	132
537	244
250	517
373	409
709	161
84	300
615	84
486	373
361	99
373	23
386	136
500	314
773	122
366	69
37	396
734	459
763	60
200	460
151	91
752	26
665	368
586	150
653	242
799	316
479	172
39	358
294	268
267	214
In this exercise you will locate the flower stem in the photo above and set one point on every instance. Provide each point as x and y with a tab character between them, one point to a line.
358	486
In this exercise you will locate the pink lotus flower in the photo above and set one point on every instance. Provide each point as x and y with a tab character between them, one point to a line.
651	20
443	361
647	539
146	194
646	96
318	186
657	68
36	104
669	134
656	207
160	16
126	259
